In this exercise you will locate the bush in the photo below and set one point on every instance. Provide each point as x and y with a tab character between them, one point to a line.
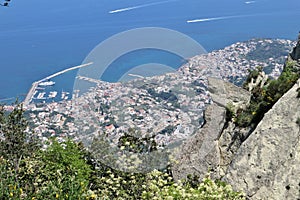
244	119
253	74
63	170
67	171
159	185
60	172
230	114
262	99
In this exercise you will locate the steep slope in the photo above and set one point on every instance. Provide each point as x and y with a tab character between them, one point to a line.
209	148
261	159
267	164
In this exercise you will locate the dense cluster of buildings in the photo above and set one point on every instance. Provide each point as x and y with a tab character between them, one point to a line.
168	108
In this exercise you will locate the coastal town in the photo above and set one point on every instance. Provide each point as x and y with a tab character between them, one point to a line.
169	108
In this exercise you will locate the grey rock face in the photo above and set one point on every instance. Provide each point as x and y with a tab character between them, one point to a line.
266	166
223	93
200	153
208	148
295	54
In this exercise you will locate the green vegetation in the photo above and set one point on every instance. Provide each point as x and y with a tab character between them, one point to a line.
168	130
136	144
65	170
253	74
169	96
16	144
265	51
230	114
263	98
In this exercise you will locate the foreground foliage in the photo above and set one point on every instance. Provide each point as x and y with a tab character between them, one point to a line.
65	170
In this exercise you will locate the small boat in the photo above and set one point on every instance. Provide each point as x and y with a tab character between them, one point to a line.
52	94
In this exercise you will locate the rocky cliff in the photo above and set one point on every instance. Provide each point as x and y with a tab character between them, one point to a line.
267	163
295	54
262	160
213	146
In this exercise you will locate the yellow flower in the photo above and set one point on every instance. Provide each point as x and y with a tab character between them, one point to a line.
11	194
127	143
93	196
57	196
33	198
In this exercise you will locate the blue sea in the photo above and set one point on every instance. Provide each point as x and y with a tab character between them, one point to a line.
39	38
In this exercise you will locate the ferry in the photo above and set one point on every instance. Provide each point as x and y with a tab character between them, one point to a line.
47	83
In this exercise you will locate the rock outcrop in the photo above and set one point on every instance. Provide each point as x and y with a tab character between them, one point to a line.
266	166
264	163
295	54
262	160
205	151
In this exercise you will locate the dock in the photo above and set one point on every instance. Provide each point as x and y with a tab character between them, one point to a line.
91	80
35	84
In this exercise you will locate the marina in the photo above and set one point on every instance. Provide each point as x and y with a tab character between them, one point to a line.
45	83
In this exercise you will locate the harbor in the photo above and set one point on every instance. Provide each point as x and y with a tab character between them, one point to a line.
39	89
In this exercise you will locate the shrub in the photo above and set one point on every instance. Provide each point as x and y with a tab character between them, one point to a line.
62	170
159	185
253	74
230	114
65	170
244	119
262	99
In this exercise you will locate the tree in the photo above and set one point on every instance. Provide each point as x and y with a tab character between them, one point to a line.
15	142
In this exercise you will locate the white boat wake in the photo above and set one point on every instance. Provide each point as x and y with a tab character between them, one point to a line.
250	2
140	6
212	19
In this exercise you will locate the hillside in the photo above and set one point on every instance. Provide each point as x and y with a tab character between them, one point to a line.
175	99
179	135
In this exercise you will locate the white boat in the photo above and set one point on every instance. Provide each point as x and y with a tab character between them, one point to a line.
47	83
52	94
64	95
41	95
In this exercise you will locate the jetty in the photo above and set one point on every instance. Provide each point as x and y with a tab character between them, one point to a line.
35	84
89	79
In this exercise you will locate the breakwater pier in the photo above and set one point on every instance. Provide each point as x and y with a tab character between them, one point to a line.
35	84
